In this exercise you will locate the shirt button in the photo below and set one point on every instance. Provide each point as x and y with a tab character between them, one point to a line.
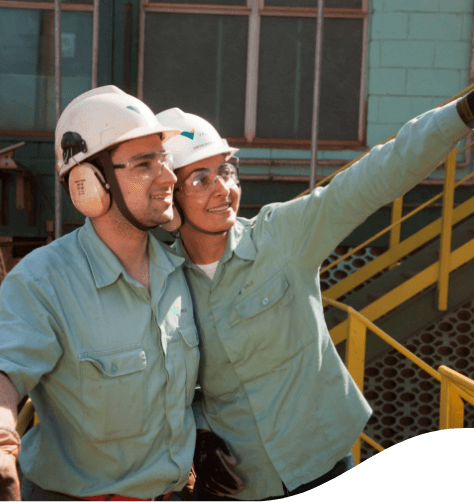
265	301
114	368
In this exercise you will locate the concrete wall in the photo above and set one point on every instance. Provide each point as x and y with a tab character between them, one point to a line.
418	56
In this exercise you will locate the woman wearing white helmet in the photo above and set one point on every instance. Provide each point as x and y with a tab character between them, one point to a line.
274	388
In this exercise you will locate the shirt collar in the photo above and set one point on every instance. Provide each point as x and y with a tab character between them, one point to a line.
106	268
239	242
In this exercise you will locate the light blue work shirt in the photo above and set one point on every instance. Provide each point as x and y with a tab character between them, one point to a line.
111	369
273	384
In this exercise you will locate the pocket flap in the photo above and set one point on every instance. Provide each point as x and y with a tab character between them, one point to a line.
190	335
264	298
118	363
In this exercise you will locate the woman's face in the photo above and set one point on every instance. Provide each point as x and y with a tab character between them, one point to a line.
209	203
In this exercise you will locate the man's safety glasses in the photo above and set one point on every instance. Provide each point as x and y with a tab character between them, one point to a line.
142	164
203	181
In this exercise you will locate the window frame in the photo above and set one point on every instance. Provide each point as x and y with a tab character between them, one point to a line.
255	10
94	8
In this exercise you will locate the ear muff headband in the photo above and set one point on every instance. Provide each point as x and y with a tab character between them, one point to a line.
106	163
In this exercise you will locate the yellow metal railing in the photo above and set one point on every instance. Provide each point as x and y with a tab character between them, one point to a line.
27	413
454	386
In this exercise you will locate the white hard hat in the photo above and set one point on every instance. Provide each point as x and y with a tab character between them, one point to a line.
99	119
198	139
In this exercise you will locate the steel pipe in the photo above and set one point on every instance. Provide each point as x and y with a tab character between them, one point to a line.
317	88
57	77
95	43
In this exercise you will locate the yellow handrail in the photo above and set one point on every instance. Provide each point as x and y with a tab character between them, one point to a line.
407	289
24	417
380	263
446	230
401	220
454	386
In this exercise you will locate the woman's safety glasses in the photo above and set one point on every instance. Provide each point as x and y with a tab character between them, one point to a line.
203	181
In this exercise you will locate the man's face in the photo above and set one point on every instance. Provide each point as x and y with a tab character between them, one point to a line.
215	209
146	183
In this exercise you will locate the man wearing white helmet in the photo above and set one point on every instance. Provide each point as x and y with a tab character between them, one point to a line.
275	392
97	327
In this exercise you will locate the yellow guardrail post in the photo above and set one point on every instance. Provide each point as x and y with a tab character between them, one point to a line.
355	360
24	417
446	230
451	407
397	208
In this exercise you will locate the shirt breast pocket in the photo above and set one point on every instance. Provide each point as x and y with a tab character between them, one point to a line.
273	325
112	394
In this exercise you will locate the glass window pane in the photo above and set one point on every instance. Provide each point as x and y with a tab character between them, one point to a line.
197	63
286	78
341	4
27	85
206	2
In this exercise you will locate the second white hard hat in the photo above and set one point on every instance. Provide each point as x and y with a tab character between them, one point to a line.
198	139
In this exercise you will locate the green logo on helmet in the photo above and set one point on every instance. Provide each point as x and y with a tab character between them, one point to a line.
189	135
134	108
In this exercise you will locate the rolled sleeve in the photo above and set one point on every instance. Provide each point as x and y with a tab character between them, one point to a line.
28	339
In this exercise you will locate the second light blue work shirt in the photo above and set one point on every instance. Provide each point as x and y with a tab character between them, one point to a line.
274	386
111	369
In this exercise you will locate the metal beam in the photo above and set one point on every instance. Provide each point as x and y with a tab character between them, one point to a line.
317	88
57	77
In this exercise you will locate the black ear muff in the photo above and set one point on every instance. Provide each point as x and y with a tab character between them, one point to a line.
89	191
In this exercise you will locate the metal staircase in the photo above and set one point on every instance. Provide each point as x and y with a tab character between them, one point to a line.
416	311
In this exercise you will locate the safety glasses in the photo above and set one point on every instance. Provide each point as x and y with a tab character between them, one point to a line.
143	165
203	181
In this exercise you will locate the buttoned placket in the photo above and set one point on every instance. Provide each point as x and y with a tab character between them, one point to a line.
175	380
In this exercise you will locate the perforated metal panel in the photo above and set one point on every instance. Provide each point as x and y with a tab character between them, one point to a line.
405	399
347	266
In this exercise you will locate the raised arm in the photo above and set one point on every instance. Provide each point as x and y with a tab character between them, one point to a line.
309	228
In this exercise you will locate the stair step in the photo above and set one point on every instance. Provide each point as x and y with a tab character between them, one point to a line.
373	296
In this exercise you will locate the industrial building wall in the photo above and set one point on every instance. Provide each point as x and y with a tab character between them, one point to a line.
419	54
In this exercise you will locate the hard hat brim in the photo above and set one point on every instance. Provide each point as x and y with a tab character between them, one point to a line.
209	151
136	133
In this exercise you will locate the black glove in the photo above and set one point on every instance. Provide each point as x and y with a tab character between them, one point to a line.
211	460
465	108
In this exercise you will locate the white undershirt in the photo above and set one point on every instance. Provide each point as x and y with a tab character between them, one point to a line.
209	269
